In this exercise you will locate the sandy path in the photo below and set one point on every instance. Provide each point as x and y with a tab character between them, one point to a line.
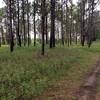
88	89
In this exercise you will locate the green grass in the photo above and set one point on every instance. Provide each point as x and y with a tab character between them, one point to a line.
26	74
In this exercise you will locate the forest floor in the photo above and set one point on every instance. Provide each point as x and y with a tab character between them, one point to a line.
26	75
89	88
71	88
98	89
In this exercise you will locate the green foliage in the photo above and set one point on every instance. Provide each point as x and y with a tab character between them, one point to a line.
26	74
1	12
98	34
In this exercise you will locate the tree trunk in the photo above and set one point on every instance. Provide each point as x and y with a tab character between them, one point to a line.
18	32
46	28
28	22
43	25
62	27
52	35
2	33
24	23
11	32
34	24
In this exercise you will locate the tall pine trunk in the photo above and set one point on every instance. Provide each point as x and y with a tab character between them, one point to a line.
24	23
43	25
18	32
28	22
11	32
62	26
34	24
46	28
52	35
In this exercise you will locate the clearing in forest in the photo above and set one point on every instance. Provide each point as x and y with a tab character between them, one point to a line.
25	74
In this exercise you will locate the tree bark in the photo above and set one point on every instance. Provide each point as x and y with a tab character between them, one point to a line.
43	25
52	35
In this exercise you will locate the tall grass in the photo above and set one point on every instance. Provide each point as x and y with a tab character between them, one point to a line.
26	74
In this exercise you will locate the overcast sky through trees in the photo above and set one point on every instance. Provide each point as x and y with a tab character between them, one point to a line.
2	3
74	1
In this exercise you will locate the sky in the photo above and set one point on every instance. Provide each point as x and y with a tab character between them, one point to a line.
2	3
74	1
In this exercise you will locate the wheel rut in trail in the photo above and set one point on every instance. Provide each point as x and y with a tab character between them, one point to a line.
88	89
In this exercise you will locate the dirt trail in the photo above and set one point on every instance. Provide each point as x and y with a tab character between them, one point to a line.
70	89
88	89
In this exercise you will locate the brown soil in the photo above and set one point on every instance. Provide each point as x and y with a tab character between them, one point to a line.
71	90
61	91
88	89
98	96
